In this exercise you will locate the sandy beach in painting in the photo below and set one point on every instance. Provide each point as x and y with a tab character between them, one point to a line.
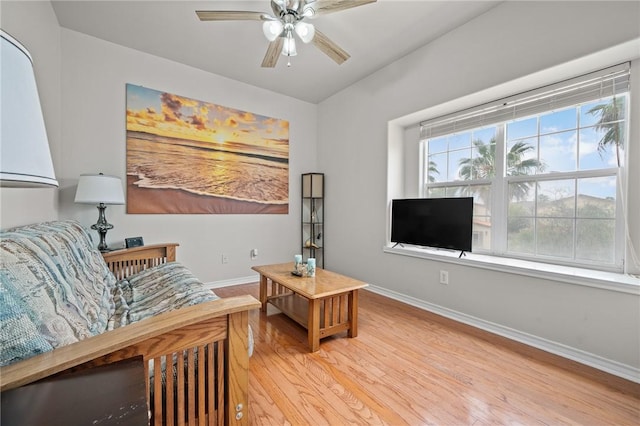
176	201
166	175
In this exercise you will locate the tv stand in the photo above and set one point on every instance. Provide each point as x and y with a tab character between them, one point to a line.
462	253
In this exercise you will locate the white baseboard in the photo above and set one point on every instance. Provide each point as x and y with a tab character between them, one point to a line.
613	367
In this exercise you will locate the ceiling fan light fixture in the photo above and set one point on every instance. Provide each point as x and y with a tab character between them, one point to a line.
305	31
289	46
272	29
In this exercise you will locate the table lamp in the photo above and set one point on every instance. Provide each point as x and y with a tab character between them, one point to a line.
103	190
26	160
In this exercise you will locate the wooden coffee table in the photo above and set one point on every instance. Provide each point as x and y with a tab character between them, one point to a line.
325	304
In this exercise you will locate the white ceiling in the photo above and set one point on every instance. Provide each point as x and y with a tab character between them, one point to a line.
374	35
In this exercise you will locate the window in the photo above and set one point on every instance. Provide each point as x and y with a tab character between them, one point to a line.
543	168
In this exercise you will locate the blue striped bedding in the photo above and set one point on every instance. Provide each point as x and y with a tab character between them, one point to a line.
56	289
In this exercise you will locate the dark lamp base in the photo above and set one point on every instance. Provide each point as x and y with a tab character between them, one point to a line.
102	226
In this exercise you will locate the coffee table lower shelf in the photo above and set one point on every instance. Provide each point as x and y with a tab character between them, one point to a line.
293	306
297	308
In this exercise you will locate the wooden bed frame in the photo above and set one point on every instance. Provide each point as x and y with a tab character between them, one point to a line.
208	341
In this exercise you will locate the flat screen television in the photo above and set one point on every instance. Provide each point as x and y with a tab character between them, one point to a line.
433	222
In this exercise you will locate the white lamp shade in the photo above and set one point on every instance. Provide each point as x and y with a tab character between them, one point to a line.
289	46
25	159
272	29
96	189
305	31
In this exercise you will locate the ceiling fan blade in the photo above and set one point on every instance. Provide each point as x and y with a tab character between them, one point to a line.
329	48
231	15
273	53
322	7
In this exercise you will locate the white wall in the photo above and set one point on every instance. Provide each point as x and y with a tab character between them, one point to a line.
513	40
35	25
94	74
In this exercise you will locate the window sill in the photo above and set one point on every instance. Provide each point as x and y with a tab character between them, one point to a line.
623	283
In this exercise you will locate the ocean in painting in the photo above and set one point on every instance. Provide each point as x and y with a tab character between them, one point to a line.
231	170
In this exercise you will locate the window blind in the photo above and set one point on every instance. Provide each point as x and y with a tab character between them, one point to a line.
599	84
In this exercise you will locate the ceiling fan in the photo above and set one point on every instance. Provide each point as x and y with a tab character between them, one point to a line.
287	18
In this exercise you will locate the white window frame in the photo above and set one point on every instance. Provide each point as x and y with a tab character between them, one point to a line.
476	117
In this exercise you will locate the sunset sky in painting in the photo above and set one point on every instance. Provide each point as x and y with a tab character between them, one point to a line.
174	116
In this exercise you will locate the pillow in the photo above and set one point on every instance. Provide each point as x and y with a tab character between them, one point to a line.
33	278
19	337
164	288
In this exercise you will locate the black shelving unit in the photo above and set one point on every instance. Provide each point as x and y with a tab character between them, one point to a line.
313	217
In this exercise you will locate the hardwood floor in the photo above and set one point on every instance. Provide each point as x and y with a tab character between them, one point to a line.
411	367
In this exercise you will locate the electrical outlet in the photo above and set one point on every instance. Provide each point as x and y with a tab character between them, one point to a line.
225	259
444	277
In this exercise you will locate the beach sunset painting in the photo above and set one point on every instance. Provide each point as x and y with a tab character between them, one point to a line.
186	156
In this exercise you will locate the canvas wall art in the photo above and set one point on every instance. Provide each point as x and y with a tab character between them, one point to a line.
188	156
